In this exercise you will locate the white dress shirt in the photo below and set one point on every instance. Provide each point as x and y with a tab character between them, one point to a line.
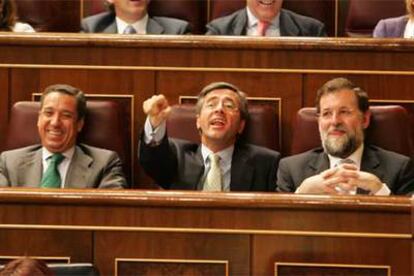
409	29
22	27
253	22
140	26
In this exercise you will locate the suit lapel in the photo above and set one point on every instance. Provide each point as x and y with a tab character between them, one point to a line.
370	162
111	28
241	178
195	174
240	23
153	27
317	164
401	28
287	27
30	170
79	170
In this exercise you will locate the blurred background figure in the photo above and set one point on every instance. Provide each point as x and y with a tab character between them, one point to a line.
131	17
265	18
402	26
8	18
26	267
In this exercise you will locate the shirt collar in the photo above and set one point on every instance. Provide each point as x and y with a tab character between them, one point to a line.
225	155
409	29
252	20
356	156
68	153
140	26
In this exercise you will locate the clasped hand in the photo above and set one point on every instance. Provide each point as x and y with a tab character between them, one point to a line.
342	179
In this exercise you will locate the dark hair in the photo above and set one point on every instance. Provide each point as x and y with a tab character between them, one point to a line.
8	14
71	91
244	113
338	84
26	267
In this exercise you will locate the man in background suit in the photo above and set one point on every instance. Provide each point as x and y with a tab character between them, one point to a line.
221	117
402	26
129	17
266	18
58	162
345	164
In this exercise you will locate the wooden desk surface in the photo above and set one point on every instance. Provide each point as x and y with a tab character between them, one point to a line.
227	233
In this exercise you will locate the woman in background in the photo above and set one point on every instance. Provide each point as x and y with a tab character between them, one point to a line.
402	26
8	18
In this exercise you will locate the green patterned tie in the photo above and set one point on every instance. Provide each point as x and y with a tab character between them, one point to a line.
51	177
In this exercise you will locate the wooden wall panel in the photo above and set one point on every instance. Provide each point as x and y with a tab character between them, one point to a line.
384	86
250	231
4	103
23	83
75	246
313	250
186	247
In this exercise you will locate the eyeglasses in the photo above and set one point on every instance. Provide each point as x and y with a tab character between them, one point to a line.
227	105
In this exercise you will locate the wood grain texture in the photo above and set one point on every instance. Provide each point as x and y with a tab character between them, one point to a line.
249	231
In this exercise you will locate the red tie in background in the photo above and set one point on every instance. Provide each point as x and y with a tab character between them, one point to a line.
262	27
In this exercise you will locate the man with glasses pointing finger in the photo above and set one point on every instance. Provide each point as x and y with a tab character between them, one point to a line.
221	162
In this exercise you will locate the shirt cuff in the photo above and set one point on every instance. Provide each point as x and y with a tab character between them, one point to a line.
383	191
154	135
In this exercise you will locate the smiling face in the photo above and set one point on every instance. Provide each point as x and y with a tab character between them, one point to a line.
341	123
130	10
265	10
58	123
219	120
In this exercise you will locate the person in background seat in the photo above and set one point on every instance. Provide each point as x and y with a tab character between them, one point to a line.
402	26
8	18
266	18
131	17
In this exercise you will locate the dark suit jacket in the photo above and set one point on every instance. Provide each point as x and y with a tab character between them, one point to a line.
178	164
105	23
291	24
90	168
391	27
394	169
